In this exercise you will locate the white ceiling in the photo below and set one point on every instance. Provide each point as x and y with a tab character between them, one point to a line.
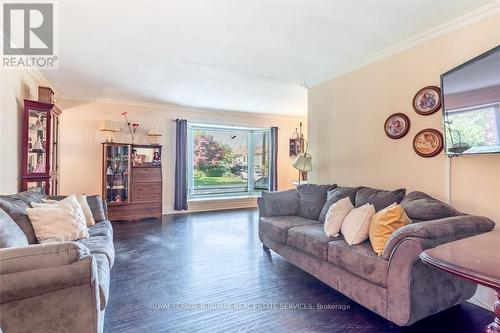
242	56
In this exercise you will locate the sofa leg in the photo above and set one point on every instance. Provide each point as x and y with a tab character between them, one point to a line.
265	248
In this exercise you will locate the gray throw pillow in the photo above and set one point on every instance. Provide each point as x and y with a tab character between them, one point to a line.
335	195
420	206
378	198
97	208
279	203
15	206
312	199
10	233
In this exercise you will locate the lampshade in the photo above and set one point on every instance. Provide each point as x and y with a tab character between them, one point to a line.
154	132
303	162
108	125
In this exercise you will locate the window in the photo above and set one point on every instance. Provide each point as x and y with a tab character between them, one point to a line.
473	129
227	161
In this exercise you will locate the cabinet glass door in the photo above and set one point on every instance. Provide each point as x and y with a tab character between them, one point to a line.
37	185
117	172
54	162
37	142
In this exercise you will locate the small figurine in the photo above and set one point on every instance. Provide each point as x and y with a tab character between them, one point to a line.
40	164
136	159
156	159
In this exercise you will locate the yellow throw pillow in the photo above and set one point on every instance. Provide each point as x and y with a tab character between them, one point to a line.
384	223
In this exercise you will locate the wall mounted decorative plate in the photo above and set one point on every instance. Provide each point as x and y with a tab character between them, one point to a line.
428	142
427	100
397	125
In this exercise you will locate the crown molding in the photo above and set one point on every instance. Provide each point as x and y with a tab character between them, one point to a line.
175	109
458	23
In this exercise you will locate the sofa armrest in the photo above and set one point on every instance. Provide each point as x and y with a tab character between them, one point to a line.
30	283
41	256
436	232
279	203
52	298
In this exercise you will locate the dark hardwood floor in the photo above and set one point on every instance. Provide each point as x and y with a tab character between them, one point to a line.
167	272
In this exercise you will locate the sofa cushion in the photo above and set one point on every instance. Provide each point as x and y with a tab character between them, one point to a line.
312	199
378	198
359	260
27	196
102	264
276	227
420	206
97	208
15	205
102	228
100	245
279	203
311	239
10	233
334	195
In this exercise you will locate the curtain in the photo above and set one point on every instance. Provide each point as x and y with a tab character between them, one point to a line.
180	201
273	177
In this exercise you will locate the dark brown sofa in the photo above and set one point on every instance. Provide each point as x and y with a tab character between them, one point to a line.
398	285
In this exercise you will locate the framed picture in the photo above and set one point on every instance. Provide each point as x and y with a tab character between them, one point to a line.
428	142
397	125
427	100
293	147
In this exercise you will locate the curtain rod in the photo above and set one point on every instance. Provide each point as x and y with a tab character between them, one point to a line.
201	124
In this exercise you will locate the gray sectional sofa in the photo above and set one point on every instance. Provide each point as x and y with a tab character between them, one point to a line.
55	287
397	285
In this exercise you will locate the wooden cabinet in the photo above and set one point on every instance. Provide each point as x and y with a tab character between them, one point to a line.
40	150
132	181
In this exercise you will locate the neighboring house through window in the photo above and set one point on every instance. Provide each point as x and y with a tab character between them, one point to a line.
227	161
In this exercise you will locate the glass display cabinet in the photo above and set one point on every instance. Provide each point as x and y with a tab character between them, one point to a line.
117	170
40	160
132	181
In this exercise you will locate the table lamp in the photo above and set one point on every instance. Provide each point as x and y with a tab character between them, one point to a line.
154	133
303	163
109	127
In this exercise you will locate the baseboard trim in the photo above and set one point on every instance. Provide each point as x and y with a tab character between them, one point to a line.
214	205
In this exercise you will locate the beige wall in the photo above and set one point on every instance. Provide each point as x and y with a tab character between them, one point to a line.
15	86
81	143
346	117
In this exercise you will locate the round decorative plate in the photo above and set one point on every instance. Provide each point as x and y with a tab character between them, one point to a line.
428	142
397	125
427	100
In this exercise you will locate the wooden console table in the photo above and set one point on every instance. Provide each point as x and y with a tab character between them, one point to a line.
475	258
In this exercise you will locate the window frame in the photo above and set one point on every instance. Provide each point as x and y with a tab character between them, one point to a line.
250	131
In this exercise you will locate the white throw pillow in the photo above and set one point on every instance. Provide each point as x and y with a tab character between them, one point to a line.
335	216
89	219
58	222
84	205
357	224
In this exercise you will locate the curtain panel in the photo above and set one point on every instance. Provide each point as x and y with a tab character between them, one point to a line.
180	196
273	179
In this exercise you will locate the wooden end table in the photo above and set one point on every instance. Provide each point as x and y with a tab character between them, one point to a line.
475	258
